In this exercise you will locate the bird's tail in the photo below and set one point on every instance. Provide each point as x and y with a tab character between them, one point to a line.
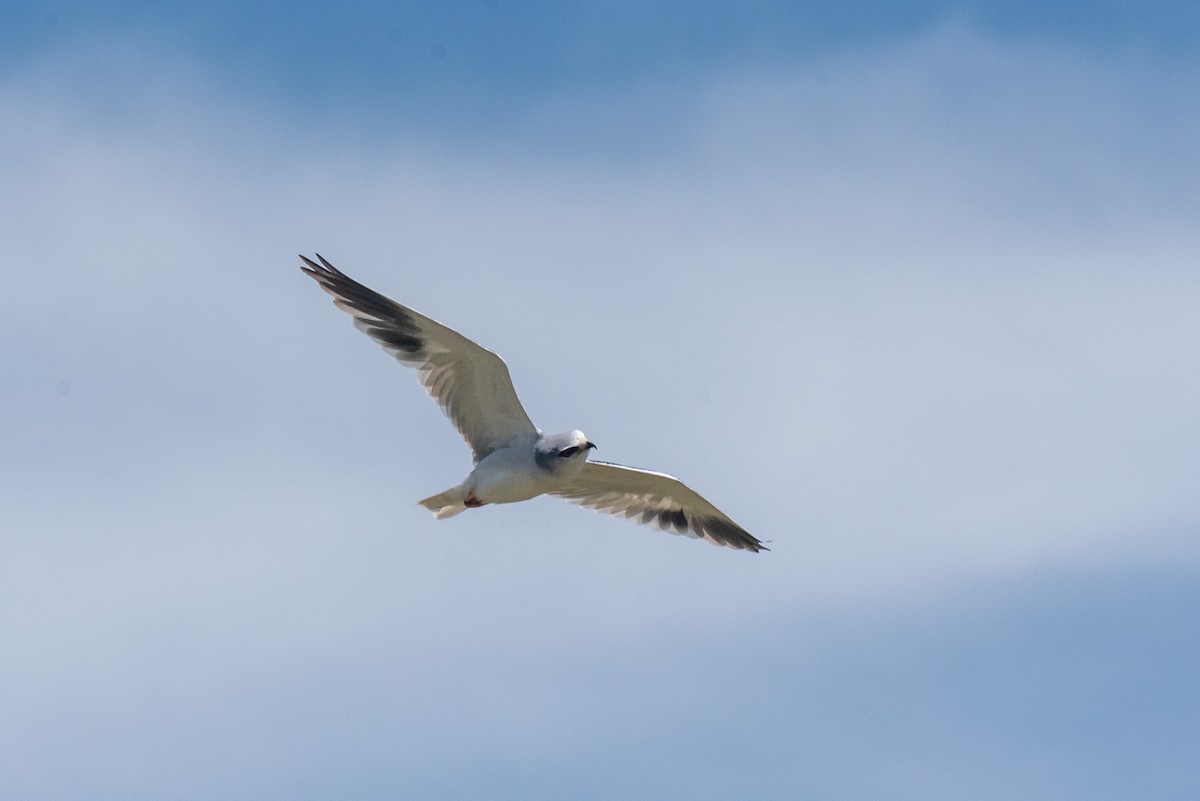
445	504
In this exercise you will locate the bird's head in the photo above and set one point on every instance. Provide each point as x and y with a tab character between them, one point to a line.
563	453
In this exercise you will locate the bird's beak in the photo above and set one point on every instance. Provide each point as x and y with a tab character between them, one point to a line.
589	446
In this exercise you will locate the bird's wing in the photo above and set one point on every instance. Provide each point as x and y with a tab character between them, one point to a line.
657	499
469	382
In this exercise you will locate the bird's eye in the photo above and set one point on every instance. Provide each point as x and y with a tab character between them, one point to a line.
567	453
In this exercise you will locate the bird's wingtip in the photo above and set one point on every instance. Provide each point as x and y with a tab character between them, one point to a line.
313	268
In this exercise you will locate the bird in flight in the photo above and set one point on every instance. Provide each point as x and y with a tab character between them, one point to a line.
514	461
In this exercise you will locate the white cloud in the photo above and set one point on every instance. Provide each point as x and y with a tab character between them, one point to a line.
942	291
925	321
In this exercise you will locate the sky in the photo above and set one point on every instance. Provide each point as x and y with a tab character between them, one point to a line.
907	289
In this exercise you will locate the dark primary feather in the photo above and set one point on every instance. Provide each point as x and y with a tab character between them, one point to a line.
395	328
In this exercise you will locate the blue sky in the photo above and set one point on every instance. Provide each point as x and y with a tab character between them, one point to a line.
909	289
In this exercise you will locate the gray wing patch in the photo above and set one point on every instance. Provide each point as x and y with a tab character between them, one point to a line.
655	499
469	382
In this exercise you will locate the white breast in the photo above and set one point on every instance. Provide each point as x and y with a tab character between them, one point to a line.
509	475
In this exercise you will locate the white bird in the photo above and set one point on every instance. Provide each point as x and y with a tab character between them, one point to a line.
514	461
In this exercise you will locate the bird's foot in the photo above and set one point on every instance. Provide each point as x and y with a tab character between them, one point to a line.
471	501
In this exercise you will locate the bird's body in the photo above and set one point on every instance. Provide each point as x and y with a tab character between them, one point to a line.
514	461
512	473
509	475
